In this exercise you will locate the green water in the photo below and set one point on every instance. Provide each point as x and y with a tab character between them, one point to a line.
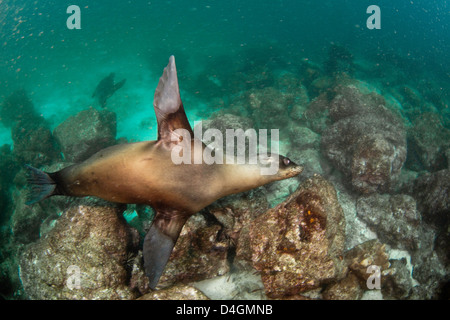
223	50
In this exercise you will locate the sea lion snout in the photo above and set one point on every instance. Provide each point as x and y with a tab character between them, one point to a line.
288	168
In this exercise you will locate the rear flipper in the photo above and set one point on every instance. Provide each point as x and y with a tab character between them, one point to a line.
42	185
159	243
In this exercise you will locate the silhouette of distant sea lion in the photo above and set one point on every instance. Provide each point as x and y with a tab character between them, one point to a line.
106	89
144	173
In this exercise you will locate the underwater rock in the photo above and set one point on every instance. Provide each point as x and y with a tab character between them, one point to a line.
360	257
431	191
26	221
356	231
235	285
235	213
393	217
222	122
225	121
395	277
368	146
311	160
89	241
428	140
397	283
296	245
87	132
442	247
138	280
316	115
339	60
321	85
309	71
269	107
278	191
410	96
349	101
8	165
405	181
8	169
34	143
10	286
200	253
298	111
348	288
15	108
6	282
304	138
447	155
431	272
289	83
177	292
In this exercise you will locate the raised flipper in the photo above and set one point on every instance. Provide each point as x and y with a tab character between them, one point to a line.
159	243
168	106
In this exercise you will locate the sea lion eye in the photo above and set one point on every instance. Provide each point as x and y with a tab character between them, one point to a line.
286	161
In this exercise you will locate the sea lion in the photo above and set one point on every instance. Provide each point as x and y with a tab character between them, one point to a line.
144	173
106	88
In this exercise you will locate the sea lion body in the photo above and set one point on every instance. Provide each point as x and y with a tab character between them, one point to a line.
143	173
146	173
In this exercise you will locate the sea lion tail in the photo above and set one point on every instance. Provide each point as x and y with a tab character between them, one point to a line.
159	243
42	185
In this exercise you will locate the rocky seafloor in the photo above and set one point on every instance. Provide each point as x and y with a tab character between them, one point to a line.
374	192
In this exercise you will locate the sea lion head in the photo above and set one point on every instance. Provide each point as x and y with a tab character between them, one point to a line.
278	167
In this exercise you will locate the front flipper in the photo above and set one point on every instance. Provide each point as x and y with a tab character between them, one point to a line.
159	243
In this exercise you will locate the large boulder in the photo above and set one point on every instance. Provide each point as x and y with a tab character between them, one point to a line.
224	122
34	143
17	107
200	253
367	141
428	141
235	213
298	244
87	132
83	257
393	217
26	220
33	140
269	107
432	193
357	261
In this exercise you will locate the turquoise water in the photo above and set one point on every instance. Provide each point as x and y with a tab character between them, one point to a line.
223	50
60	67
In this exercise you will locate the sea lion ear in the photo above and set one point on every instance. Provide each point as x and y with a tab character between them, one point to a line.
168	106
